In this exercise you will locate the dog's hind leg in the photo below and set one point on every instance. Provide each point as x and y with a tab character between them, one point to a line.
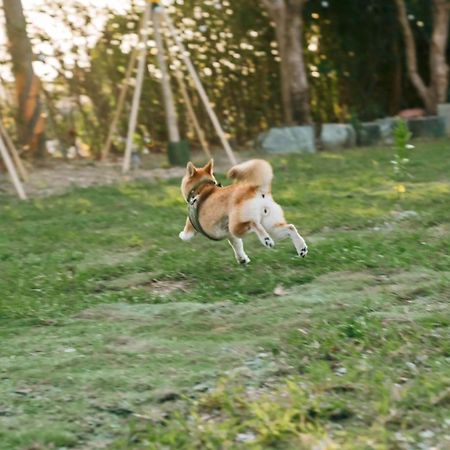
238	247
239	228
188	232
283	230
262	234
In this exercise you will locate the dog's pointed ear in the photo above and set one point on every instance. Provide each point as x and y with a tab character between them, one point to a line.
209	168
190	169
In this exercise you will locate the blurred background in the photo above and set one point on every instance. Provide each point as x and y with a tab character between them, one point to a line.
264	63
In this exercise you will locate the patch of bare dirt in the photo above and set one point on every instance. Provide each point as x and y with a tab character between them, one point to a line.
145	312
59	177
55	177
147	281
411	286
441	231
165	287
128	344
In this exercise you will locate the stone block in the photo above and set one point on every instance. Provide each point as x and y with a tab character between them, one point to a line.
288	140
444	112
369	133
427	127
336	136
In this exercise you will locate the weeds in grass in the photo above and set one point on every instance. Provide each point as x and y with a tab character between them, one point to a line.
229	417
402	148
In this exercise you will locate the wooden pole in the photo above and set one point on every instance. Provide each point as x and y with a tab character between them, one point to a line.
15	154
192	115
122	97
120	104
171	114
12	170
137	90
191	112
198	84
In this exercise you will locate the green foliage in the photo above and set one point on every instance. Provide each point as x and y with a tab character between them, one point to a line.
353	65
401	161
402	136
285	416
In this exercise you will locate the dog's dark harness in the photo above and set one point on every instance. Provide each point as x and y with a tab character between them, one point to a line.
194	201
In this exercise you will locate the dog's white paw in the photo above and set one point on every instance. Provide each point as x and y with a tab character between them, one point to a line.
268	242
243	259
303	252
185	236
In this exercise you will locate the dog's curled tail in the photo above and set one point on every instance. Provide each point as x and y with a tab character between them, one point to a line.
256	172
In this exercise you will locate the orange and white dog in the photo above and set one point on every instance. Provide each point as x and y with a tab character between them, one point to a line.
231	212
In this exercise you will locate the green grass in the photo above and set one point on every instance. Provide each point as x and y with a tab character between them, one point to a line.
112	329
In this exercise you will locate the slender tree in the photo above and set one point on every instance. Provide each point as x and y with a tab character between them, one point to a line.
30	117
437	89
287	16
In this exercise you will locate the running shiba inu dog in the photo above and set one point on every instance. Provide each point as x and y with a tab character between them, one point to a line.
231	212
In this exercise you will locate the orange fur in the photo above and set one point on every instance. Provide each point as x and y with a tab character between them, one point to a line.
255	172
247	205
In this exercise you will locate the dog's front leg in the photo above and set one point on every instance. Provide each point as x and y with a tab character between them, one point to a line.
238	247
188	232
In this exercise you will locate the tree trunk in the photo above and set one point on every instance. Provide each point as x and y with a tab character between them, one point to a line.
396	94
438	50
30	119
436	91
287	16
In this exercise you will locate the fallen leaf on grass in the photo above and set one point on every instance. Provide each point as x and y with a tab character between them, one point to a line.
279	291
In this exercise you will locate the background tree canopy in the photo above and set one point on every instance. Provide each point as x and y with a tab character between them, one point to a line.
354	55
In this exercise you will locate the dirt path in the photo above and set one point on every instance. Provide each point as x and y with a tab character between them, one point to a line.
59	178
56	177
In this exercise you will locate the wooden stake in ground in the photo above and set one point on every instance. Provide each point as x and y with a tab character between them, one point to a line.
137	90
122	96
198	84
191	112
12	170
171	115
120	105
15	154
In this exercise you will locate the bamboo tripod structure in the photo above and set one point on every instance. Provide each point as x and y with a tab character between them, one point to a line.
7	146
190	109
158	15
15	154
198	84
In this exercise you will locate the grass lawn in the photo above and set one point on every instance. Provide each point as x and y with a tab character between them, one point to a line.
116	334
